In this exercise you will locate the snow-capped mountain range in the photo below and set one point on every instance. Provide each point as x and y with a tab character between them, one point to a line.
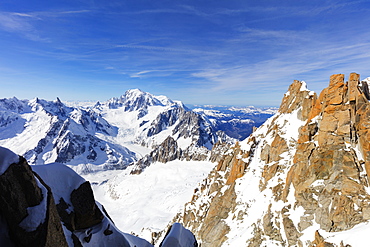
49	131
107	135
236	122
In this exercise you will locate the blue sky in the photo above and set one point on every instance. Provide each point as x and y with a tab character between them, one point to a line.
200	52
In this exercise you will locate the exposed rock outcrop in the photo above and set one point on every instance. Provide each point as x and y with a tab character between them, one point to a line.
329	155
207	219
20	191
85	212
169	150
306	169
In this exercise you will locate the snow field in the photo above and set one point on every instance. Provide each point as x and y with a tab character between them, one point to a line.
147	202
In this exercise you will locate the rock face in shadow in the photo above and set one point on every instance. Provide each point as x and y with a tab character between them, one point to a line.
178	236
20	191
34	219
86	211
30	217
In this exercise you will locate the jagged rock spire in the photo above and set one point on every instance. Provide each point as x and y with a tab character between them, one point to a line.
305	170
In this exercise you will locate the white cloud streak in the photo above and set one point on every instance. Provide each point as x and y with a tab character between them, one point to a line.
313	59
167	49
15	22
25	24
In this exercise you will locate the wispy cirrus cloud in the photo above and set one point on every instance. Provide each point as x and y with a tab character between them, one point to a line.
305	59
179	9
15	22
151	73
25	24
168	49
20	23
60	13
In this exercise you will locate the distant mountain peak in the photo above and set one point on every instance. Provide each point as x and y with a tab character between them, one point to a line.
58	101
136	99
135	91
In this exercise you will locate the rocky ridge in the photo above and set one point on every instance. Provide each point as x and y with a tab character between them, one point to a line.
169	150
299	180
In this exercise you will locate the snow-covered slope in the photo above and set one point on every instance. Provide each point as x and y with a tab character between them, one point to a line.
144	204
63	183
